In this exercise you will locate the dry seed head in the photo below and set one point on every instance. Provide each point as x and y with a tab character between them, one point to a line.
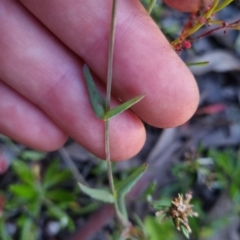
179	211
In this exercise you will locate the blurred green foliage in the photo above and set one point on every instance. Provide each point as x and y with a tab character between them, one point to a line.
212	169
37	192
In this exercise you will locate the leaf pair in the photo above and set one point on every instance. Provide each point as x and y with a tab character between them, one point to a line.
122	189
99	103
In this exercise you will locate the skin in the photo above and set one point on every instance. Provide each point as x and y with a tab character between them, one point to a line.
43	97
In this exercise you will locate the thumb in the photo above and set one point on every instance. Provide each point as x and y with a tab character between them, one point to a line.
187	5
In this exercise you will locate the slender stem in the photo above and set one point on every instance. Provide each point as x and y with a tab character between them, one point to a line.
69	162
110	54
188	32
108	97
108	158
123	221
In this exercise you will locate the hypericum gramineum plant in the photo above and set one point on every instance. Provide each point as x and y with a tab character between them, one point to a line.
179	209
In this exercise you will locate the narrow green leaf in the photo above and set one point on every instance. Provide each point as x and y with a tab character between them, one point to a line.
34	206
98	194
157	231
54	175
126	185
140	223
185	232
96	99
56	212
60	195
30	155
58	178
197	64
150	6
124	106
59	214
22	190
161	204
23	172
87	209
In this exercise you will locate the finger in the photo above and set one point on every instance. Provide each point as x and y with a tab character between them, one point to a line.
144	62
40	68
187	5
25	123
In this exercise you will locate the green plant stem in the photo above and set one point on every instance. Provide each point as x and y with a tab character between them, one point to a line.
110	54
108	96
121	219
69	162
108	158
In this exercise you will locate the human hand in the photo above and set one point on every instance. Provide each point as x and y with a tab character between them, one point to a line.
43	97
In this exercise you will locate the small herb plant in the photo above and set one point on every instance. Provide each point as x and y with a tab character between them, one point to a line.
214	171
34	194
179	209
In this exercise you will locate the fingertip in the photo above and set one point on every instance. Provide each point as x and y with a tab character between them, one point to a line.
185	103
46	139
49	142
132	138
25	123
156	70
173	99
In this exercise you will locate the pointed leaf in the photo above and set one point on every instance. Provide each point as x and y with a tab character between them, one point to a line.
54	175
161	204
60	195
23	191
157	231
197	63
124	106
96	99
98	194
63	218
23	172
185	232
125	186
35	206
30	155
